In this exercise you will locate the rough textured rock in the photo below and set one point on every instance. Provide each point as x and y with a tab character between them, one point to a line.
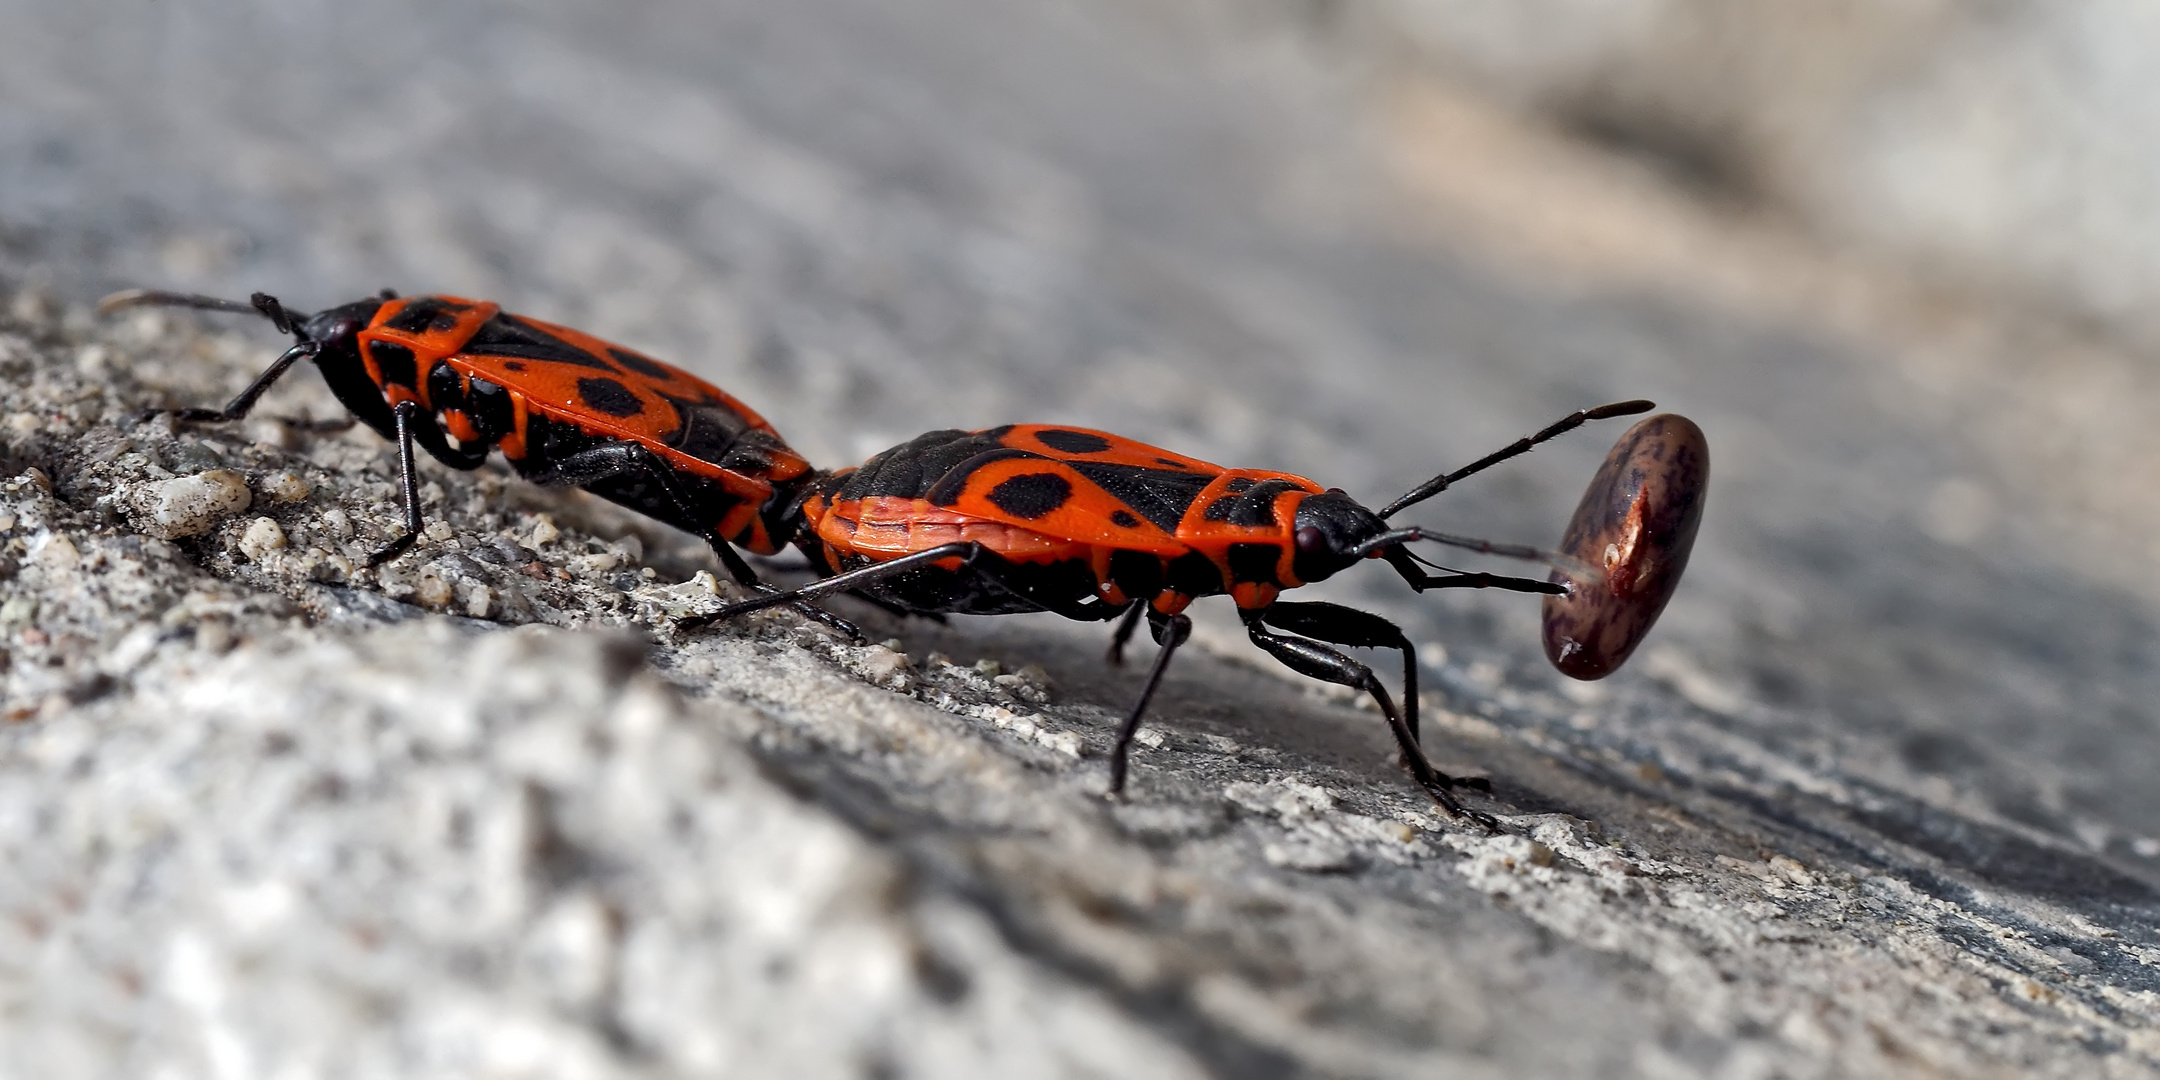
1873	801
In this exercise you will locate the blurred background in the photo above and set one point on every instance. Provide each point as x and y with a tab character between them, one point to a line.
1898	259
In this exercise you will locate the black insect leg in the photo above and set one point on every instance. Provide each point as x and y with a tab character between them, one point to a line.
410	474
1340	625
625	460
966	551
896	610
1127	623
1170	631
239	407
747	578
1421	581
1319	661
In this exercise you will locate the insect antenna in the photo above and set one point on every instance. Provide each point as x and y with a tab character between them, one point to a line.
1567	564
262	304
1521	446
1425	562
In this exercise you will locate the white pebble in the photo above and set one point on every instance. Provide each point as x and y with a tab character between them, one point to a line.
883	666
190	505
59	553
284	487
596	563
433	591
335	522
1064	742
261	538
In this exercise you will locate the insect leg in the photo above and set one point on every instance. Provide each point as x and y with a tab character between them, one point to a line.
1127	623
747	578
618	460
1421	581
895	610
1311	658
239	407
409	472
1340	625
1170	631
966	551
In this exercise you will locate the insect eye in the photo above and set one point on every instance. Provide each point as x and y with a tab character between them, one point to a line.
1311	540
338	333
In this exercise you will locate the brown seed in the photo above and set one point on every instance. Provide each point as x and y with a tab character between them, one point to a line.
1636	523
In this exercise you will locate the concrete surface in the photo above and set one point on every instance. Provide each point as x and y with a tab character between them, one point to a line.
2005	144
1875	799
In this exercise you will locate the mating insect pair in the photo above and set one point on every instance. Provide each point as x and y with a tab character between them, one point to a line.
1014	519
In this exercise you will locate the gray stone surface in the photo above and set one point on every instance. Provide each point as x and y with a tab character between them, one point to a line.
1875	800
2006	144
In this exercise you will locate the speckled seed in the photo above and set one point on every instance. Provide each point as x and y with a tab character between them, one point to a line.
1637	523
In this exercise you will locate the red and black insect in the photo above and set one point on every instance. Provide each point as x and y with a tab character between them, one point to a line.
460	377
1097	527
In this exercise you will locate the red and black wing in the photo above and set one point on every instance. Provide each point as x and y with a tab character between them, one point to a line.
605	389
1200	505
1075	484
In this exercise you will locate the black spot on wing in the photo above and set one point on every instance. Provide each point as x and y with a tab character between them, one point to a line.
506	335
425	314
1173	463
609	397
396	363
1031	495
651	369
1158	495
513	365
952	482
1249	504
1072	442
1123	520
